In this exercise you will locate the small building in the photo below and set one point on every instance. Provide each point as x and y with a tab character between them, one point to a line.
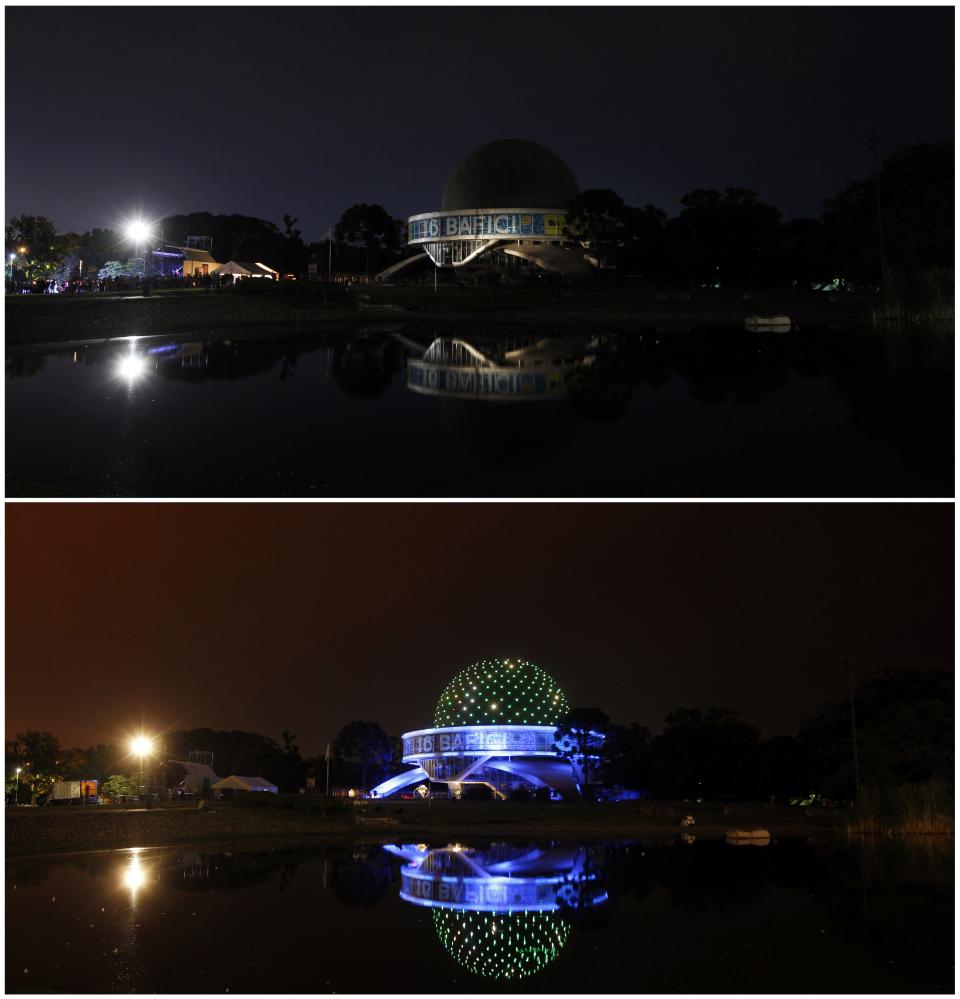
197	263
236	783
238	269
181	261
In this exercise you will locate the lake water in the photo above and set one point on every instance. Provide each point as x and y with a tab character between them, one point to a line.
657	412
667	916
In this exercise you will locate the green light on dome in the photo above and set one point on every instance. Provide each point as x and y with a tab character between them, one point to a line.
501	691
501	946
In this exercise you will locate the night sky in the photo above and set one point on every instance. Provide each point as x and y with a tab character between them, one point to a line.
263	111
264	617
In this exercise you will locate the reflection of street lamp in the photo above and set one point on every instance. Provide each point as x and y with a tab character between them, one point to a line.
134	875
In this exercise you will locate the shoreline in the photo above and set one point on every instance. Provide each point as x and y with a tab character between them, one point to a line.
59	830
37	320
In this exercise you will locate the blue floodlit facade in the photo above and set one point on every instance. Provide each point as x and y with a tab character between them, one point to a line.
495	724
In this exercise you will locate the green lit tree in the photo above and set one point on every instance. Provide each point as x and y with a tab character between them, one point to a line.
120	785
120	268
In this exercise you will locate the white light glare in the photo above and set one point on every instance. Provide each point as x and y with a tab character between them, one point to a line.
138	231
141	745
131	368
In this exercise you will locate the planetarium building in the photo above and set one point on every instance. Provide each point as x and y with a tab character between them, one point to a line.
508	197
495	724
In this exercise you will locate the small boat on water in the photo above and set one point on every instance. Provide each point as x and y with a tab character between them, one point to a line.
778	324
748	837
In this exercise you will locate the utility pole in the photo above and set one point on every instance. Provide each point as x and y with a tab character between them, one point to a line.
329	254
328	769
848	669
872	142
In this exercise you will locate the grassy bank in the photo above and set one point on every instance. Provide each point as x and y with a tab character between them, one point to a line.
50	829
53	318
909	810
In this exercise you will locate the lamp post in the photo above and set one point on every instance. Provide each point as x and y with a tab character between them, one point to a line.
848	669
17	799
872	143
139	232
142	746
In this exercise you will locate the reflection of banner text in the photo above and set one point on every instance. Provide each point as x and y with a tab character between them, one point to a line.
491	382
494	893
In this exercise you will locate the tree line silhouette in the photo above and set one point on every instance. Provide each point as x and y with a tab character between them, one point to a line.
892	231
904	736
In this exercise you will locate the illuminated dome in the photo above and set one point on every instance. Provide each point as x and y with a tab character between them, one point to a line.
510	173
501	692
504	947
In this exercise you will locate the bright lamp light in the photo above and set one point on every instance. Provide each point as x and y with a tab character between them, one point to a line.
141	745
138	230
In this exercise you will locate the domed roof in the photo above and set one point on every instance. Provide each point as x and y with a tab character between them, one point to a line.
510	173
501	692
504	947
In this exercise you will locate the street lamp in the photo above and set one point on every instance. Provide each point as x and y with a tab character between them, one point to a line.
17	799
138	232
141	746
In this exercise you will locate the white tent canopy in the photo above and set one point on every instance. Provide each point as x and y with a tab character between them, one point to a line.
245	269
196	774
235	783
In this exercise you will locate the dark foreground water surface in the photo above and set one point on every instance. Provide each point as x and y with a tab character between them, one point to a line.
656	412
678	915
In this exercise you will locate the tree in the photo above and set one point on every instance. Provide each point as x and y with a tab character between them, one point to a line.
643	241
626	756
118	269
597	218
39	756
120	785
705	754
365	746
293	254
728	238
372	233
246	753
905	732
580	739
916	197
37	236
98	762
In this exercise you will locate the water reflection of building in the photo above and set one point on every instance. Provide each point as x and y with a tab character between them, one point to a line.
495	725
502	369
500	912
